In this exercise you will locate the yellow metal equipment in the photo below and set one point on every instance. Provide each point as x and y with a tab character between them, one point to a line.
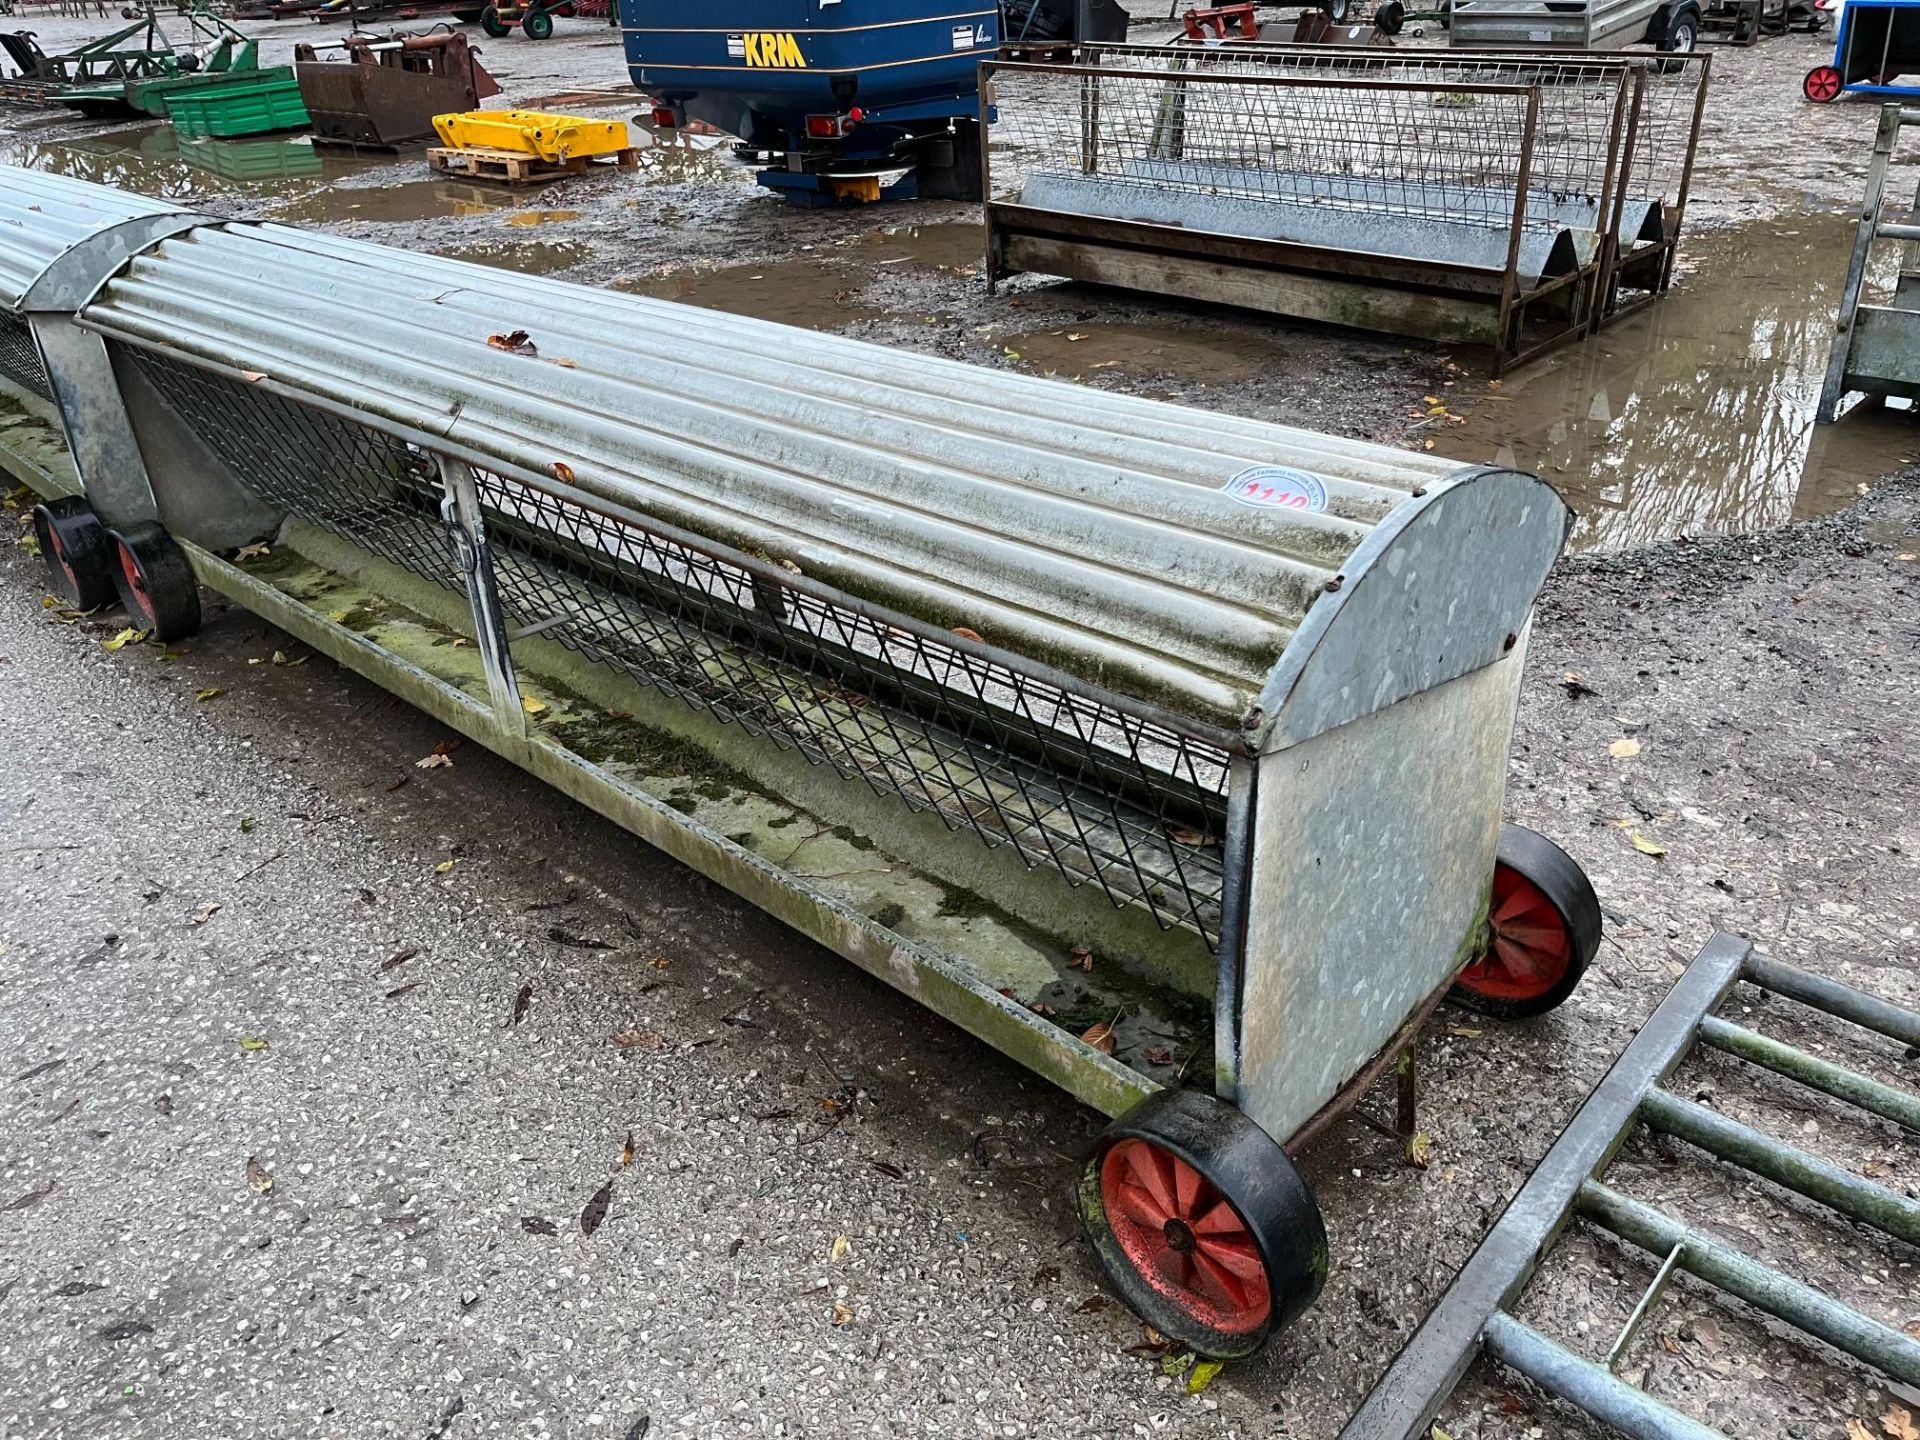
532	132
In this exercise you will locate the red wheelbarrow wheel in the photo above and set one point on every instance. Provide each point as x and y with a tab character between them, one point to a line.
78	553
1202	1224
155	582
1543	929
1822	84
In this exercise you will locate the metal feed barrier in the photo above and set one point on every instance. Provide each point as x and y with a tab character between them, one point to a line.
1876	348
1158	749
1511	201
1479	1312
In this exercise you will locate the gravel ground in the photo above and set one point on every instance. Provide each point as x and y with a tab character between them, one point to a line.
418	1264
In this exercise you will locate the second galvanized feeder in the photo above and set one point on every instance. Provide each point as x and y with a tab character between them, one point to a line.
1164	751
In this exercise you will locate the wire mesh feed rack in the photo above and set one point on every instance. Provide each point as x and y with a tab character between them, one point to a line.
1651	144
1110	731
1486	199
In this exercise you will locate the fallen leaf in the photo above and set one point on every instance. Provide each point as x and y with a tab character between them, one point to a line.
444	867
626	1151
1076	335
1195	839
398	991
1420	1151
1706	1334
1159	1055
520	1004
123	639
516	342
1576	687
565	363
1898	1423
638	1040
888	1169
435	761
212	692
1437	1433
1202	1375
246	825
205	912
659	962
842	1313
259	1178
1464	1032
1624	748
532	705
965	634
538	1225
1091	1304
250	1045
1081	959
251	552
1857	1429
596	1209
1644	845
563	472
396	961
1100	1037
1912	1328
838	1251
253	377
280	658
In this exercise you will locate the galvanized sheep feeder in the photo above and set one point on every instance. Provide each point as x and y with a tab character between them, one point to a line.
975	679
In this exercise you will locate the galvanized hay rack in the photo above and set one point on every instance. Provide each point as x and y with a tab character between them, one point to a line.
1876	348
1515	201
953	670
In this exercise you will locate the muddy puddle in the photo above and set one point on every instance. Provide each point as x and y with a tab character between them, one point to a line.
809	293
1076	352
531	258
1696	415
153	160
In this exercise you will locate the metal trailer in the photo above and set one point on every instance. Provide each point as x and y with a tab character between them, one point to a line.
1876	348
1878	41
1467	199
1651	144
1157	749
1668	25
1476	1315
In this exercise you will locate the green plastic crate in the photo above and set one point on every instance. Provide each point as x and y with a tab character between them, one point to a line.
251	106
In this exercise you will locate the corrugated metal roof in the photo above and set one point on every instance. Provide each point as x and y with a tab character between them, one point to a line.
42	216
1084	529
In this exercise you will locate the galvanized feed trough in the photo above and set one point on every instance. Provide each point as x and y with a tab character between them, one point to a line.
965	675
1510	201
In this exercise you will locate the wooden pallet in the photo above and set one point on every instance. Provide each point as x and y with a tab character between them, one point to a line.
512	167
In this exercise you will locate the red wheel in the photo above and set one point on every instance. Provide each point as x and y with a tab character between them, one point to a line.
77	552
155	582
1543	928
1822	84
1202	1224
1183	1238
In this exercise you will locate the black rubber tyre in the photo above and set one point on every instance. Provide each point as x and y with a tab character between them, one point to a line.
538	25
155	582
1551	915
1337	10
78	553
1683	33
491	22
1391	18
1201	1154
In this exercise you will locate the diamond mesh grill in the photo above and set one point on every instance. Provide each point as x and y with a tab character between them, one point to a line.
19	357
1101	795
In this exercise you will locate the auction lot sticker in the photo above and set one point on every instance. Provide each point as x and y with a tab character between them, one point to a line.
1276	487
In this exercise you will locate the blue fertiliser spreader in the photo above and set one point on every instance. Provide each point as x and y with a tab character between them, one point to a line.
838	100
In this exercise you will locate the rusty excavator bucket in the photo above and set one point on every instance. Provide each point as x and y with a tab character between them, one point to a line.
383	93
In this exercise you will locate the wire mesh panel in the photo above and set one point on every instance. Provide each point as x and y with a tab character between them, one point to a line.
19	357
1104	796
1583	110
1430	171
381	493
